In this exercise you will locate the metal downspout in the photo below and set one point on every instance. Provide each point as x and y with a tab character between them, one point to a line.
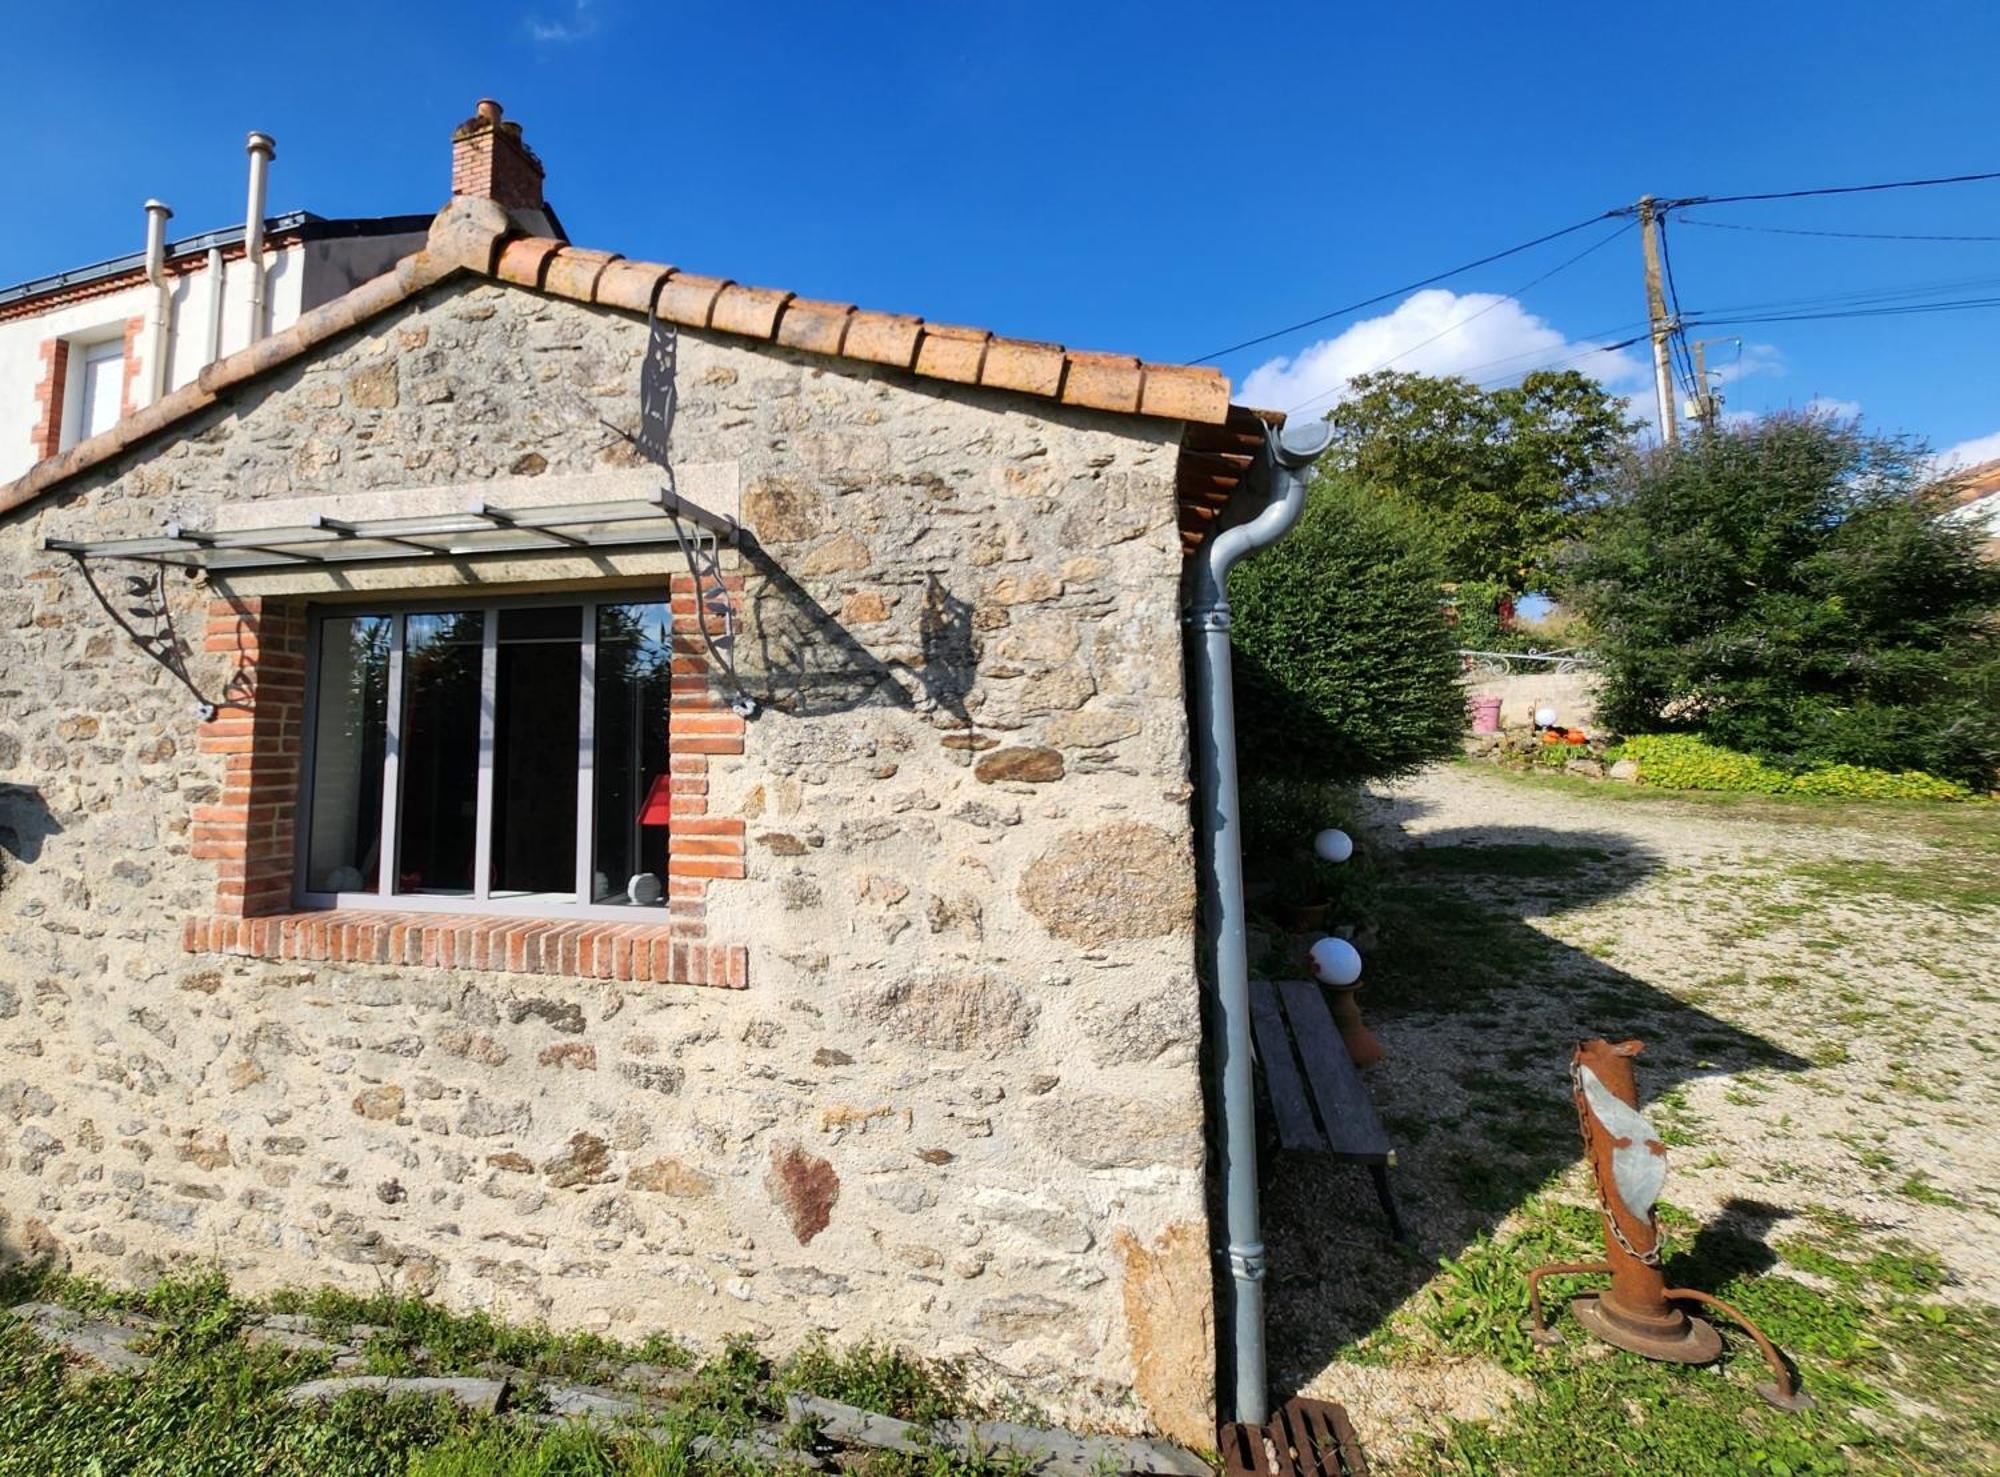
1282	467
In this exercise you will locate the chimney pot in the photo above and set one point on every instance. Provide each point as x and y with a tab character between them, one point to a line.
488	109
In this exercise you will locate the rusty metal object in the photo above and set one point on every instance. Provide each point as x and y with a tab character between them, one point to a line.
1638	1312
1305	1438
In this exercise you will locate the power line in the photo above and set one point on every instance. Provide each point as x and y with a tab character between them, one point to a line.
1587	344
1901	184
1689	220
1586	352
1613	213
1699	321
1383	297
1866	297
1456	324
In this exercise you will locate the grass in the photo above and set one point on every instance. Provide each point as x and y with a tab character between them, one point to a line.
1906	1372
1944	824
211	1403
1955	881
1903	1382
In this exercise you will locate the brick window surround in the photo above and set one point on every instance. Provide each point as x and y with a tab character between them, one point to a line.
51	390
46	433
250	832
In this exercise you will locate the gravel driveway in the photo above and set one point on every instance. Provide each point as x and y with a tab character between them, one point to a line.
1818	987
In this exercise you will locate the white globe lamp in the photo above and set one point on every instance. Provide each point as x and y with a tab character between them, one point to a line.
1336	962
1333	845
1545	717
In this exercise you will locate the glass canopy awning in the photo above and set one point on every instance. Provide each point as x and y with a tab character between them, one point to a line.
482	529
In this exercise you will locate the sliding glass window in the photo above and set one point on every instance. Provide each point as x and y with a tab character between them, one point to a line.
501	757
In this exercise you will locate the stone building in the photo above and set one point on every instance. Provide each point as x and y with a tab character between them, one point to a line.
568	911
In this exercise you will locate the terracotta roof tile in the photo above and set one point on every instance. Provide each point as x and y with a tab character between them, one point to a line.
1183	392
947	352
1104	382
573	272
884	338
818	328
749	311
689	300
1031	368
476	235
631	285
523	261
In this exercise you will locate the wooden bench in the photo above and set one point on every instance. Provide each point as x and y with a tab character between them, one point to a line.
1319	1102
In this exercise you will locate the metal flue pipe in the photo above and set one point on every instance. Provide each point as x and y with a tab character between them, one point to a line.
262	151
1280	471
160	336
212	348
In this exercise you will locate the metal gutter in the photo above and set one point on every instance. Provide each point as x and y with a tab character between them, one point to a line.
296	225
1280	471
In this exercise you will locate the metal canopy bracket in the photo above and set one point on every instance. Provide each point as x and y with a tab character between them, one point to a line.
660	518
623	523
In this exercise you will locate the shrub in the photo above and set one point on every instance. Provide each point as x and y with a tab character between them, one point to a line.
1794	590
1346	669
1684	762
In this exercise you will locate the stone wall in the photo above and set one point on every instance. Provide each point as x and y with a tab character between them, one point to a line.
958	1105
1572	694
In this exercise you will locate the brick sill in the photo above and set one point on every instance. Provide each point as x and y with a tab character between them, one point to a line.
649	953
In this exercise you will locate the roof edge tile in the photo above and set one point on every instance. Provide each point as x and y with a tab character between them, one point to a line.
476	235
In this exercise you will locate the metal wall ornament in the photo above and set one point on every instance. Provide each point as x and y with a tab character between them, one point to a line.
659	400
1638	1312
147	594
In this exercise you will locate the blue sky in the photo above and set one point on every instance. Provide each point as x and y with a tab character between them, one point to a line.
1163	179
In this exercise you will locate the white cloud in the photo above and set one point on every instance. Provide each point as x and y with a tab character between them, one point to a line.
582	21
1968	453
1826	407
1483	336
1748	359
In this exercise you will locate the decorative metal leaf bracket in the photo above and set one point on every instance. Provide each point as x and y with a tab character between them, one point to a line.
161	641
659	399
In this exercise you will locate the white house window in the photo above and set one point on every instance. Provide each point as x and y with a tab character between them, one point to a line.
489	757
100	388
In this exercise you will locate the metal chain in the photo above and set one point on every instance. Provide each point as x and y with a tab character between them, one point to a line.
1652	1257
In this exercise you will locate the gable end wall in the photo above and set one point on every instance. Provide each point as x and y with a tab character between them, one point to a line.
957	1104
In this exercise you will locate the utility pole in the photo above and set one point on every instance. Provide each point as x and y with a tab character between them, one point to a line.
1656	314
1706	406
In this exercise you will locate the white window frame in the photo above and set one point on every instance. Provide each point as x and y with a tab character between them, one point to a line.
81	347
578	906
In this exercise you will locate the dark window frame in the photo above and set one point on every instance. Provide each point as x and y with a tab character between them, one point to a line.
577	905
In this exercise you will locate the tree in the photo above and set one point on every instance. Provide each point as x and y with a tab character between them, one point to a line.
1503	476
1346	669
1794	589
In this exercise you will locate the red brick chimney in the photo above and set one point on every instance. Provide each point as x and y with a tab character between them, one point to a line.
488	159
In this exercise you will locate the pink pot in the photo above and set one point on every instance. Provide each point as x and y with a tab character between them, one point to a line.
1485	714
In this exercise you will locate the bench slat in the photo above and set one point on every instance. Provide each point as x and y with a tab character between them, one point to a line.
1296	1129
1353	1129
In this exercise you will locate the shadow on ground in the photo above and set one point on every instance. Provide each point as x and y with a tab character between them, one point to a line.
1479	1012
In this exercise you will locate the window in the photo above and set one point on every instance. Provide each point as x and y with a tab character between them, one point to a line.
99	380
493	757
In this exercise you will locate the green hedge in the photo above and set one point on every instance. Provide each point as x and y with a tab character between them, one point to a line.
1346	669
1678	761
